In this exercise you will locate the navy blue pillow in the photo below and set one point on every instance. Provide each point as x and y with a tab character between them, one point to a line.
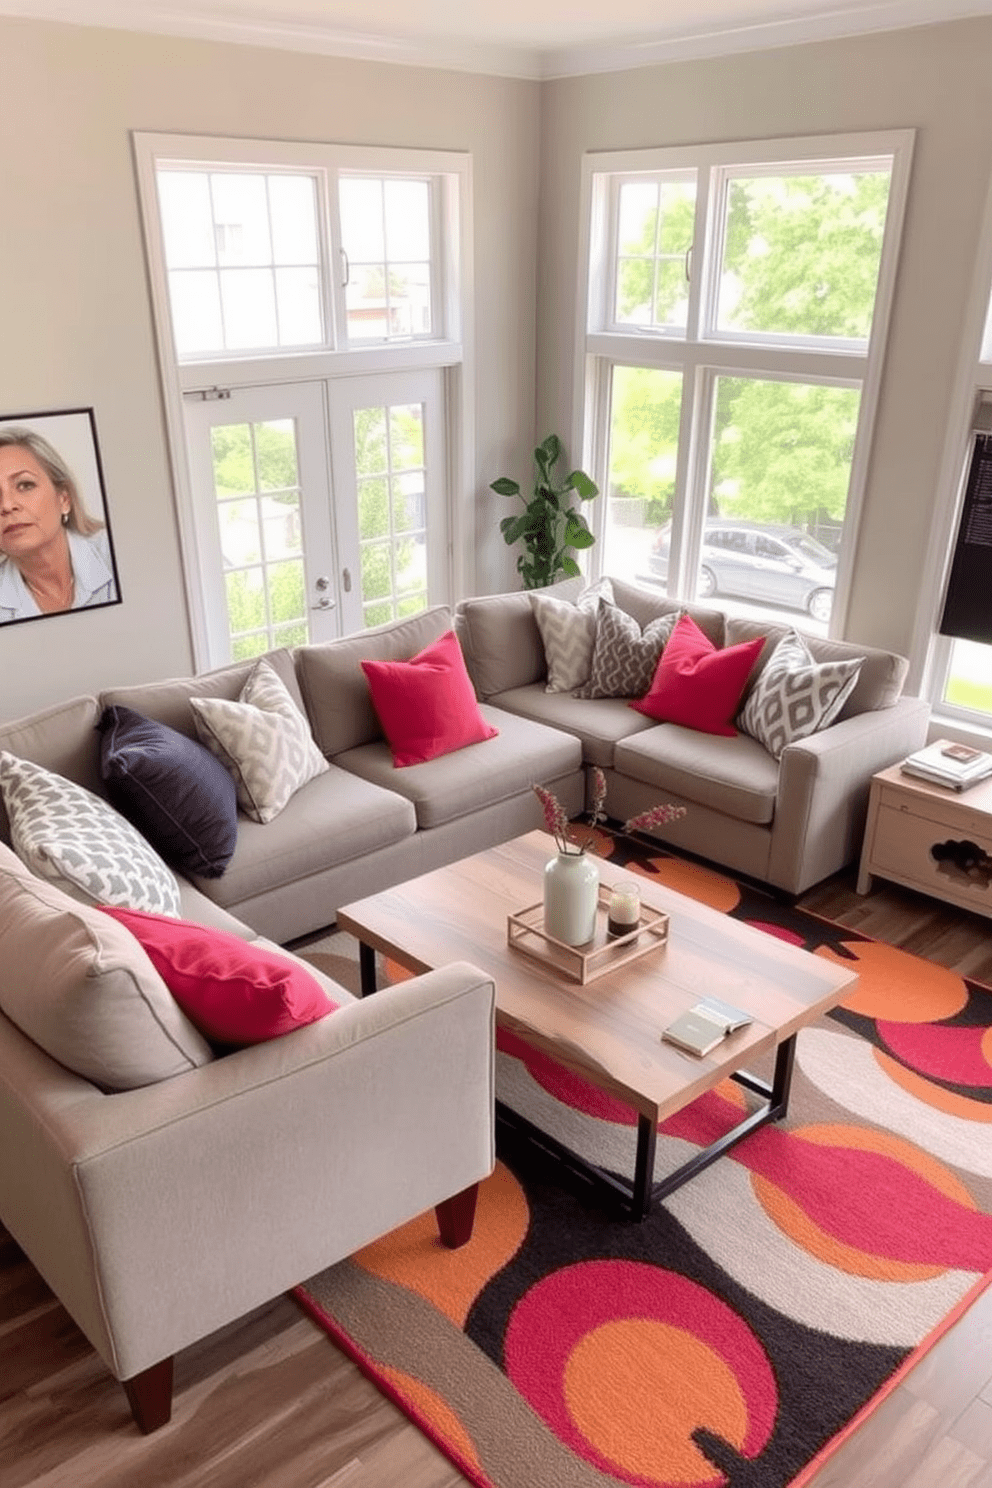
172	789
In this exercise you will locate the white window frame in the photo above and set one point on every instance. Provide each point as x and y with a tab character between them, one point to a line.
702	353
451	348
930	655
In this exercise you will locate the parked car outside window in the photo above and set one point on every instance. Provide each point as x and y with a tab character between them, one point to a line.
781	565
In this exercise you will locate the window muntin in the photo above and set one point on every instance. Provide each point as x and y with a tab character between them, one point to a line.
655	216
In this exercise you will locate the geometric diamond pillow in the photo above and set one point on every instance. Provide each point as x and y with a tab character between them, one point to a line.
568	632
624	658
796	696
71	837
263	740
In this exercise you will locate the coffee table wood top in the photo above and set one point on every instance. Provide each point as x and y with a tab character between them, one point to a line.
609	1030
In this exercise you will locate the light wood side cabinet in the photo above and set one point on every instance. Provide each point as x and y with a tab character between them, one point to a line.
929	838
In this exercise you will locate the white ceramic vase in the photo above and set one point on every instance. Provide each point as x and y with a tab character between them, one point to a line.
571	892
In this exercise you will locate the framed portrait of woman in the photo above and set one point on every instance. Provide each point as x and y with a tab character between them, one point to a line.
56	550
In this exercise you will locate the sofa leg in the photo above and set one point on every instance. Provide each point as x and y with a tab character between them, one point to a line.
456	1216
150	1395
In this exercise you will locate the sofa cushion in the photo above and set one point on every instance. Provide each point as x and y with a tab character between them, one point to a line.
625	656
795	696
76	840
169	701
598	723
172	789
696	684
568	633
500	638
737	777
426	705
646	605
333	819
442	790
62	739
263	739
82	988
333	684
880	681
235	992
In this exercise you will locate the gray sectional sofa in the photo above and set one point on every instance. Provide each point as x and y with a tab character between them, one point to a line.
160	1213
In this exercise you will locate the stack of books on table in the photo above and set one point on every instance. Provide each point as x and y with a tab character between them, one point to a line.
955	765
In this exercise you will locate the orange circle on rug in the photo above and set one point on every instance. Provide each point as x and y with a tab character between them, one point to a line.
614	1378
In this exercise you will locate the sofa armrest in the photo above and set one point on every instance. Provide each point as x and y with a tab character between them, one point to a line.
823	790
160	1214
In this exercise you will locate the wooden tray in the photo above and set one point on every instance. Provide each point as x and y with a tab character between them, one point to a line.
525	932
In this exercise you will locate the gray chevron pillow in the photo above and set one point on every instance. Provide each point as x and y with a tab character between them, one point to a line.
263	740
625	658
72	838
795	696
568	632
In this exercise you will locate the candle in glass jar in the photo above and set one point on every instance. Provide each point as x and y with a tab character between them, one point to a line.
624	911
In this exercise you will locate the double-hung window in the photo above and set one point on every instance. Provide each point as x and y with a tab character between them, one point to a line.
314	330
737	303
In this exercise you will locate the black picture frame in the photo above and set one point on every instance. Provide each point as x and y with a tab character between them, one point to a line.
61	456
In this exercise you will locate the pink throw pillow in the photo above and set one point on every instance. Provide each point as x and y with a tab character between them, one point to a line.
232	991
427	705
697	685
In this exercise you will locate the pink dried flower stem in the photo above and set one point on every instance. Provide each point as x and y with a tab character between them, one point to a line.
557	825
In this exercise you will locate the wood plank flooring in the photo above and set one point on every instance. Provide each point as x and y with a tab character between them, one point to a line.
271	1401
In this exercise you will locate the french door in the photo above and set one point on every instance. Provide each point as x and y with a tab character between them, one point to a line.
321	507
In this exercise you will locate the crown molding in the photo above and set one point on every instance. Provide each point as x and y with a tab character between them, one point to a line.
465	55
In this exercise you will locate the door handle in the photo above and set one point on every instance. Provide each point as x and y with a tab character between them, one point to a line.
324	600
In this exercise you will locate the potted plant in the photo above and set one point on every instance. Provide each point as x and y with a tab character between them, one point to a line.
549	527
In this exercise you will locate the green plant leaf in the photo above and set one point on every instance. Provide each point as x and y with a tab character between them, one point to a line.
505	487
513	528
580	482
570	567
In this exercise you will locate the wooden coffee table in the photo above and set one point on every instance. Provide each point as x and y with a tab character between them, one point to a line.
609	1030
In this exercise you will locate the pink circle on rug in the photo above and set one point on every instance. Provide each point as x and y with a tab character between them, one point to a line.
957	1055
589	1306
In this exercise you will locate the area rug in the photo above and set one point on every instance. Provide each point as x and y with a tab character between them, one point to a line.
738	1334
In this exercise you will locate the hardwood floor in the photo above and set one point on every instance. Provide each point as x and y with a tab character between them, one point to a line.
271	1401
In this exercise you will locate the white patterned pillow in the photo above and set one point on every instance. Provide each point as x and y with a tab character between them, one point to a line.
795	696
72	838
568	632
625	658
263	739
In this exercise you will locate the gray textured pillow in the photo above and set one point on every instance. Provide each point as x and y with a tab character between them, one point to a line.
79	842
263	740
795	696
568	633
81	987
625	658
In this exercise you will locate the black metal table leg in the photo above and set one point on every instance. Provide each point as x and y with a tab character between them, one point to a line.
366	966
647	1143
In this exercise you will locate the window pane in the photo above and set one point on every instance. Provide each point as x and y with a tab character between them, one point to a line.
644	431
370	441
282	527
243	648
411	567
802	253
187	219
408	233
275	441
409	513
245	600
233	459
361	219
298	301
241	219
196	319
365	303
287	594
406	435
373	508
377	578
779	473
409	287
293	205
377	614
248	297
969	677
240	542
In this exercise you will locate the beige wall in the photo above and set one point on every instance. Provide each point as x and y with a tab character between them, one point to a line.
76	320
934	80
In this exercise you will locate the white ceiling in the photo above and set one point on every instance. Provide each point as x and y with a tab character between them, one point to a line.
517	38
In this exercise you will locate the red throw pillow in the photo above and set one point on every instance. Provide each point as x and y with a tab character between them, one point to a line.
427	705
697	685
231	990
